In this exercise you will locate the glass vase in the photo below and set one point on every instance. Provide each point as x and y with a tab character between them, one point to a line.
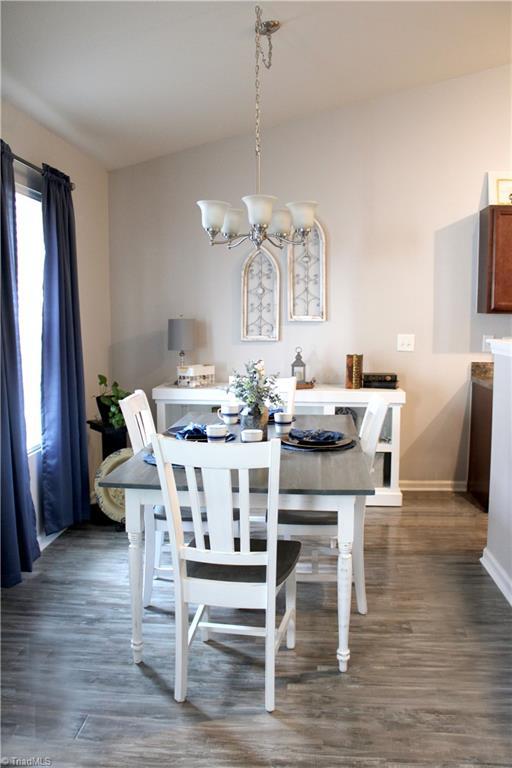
253	418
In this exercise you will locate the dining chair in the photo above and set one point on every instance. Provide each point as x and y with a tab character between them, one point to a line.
325	524
287	387
140	425
219	569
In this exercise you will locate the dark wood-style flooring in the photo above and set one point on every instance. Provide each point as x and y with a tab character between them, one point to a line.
429	681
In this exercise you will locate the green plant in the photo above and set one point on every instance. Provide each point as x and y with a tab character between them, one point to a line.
255	389
111	397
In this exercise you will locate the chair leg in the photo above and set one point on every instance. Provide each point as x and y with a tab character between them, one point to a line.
358	557
291	597
159	542
205	635
181	653
149	554
270	657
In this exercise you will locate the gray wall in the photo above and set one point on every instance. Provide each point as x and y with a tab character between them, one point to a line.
399	180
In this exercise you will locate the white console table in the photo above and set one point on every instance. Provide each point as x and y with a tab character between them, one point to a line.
323	399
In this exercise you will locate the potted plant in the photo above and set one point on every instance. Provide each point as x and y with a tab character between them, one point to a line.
108	402
257	391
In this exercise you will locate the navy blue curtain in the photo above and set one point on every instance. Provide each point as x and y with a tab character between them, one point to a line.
65	482
18	520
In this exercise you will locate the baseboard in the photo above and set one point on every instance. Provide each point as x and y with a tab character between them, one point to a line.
44	541
498	574
455	486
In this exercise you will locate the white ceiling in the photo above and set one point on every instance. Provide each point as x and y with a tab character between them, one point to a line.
128	81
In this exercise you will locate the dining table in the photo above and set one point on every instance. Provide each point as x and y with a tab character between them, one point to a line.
317	481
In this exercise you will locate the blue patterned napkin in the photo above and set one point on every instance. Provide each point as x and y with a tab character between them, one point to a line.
316	436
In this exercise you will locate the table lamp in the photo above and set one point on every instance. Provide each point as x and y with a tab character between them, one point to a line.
180	336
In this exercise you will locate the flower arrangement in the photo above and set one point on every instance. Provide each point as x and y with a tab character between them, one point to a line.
254	388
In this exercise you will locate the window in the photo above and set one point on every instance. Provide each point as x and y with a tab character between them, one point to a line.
29	231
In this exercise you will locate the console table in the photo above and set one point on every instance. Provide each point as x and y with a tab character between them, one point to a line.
322	399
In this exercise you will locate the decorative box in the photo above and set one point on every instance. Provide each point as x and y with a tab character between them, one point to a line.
193	376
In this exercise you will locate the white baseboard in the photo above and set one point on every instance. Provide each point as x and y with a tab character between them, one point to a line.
455	486
44	541
498	574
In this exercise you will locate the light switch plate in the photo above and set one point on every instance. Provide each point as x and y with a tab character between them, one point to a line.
405	342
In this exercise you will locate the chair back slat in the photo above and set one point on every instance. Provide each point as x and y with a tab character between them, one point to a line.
139	419
195	506
219	508
244	505
372	426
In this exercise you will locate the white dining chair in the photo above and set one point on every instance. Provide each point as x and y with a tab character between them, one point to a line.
303	523
287	387
218	569
140	425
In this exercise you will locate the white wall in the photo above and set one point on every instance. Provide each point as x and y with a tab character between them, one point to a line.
399	180
35	143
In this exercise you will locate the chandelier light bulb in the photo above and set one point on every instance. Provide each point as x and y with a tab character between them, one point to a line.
232	225
303	214
213	213
281	224
259	209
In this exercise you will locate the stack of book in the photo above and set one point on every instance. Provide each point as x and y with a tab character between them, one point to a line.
380	380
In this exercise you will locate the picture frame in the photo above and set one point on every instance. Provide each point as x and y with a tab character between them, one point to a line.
499	187
307	278
260	299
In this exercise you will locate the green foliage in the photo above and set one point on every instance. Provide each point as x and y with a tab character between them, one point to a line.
254	388
111	398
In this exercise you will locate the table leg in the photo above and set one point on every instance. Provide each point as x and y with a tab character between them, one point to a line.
345	540
134	528
160	416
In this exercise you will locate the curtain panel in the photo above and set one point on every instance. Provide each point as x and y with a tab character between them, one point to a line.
18	521
65	475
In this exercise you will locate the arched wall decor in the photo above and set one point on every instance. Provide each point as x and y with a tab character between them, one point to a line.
307	278
260	296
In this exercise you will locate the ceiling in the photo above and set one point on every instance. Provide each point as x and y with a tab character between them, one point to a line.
129	81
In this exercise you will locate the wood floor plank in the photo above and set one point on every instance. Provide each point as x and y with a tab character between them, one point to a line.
429	682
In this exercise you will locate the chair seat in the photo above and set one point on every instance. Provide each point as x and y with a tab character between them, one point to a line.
288	553
186	514
305	517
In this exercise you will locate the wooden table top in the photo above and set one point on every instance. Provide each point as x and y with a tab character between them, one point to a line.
323	472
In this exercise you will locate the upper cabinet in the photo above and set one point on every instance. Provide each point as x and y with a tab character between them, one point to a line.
495	266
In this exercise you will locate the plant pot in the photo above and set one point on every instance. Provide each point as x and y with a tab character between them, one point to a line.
104	411
253	418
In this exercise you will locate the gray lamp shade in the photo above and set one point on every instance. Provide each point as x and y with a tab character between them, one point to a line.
180	334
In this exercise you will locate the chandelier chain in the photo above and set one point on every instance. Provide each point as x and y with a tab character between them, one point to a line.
267	61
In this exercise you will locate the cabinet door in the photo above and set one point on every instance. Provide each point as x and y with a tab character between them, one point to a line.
501	288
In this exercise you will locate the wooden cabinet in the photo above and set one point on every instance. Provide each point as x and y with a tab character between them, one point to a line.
495	265
479	470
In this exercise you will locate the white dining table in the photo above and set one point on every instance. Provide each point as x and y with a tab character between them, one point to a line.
316	481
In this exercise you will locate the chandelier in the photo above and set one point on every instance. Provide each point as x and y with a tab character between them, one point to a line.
280	226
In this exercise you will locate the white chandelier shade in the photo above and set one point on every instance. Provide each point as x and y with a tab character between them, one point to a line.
213	213
259	209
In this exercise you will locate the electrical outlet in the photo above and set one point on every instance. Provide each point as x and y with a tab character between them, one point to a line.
405	342
486	347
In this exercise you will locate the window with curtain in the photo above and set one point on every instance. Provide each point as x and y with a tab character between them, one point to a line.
31	253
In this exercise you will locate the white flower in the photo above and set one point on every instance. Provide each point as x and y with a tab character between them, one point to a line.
260	367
